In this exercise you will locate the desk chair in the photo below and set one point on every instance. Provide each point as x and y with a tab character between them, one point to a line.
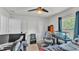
63	36
32	38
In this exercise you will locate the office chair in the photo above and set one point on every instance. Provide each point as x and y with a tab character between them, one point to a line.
32	38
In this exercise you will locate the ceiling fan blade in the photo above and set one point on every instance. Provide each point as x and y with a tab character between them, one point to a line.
32	10
44	10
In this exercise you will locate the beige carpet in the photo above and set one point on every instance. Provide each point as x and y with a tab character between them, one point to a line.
33	47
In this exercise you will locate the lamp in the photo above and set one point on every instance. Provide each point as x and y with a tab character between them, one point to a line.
39	11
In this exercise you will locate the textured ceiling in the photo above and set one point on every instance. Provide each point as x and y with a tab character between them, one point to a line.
23	11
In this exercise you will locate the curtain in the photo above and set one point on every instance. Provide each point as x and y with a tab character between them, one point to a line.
76	29
59	24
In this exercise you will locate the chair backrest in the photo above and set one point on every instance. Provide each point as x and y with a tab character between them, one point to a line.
32	36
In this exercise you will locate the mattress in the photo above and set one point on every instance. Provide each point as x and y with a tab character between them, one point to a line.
70	46
52	48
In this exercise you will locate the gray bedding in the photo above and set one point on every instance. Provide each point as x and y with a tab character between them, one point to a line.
70	46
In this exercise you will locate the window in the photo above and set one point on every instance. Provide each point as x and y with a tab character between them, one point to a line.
68	26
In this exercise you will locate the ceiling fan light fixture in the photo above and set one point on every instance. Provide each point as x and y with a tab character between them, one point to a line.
39	12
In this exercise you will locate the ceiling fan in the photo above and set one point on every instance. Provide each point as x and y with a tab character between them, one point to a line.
39	10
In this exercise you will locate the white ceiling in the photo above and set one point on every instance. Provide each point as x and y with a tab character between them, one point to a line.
23	11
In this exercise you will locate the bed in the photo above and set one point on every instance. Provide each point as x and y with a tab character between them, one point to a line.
69	46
